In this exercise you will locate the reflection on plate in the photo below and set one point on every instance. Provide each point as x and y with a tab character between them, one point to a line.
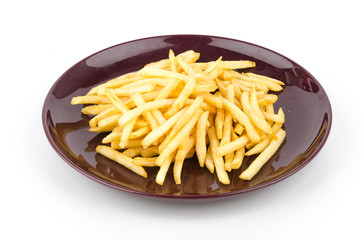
306	106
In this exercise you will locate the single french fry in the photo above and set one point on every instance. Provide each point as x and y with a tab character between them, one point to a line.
171	56
257	164
189	56
129	91
155	72
232	146
161	175
96	109
121	159
265	78
200	145
116	82
238	128
140	132
218	160
142	82
145	161
254	105
209	162
126	132
238	158
237	64
184	148
219	121
227	128
130	144
99	130
90	100
227	124
227	64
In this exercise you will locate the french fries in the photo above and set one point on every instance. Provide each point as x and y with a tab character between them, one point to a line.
177	108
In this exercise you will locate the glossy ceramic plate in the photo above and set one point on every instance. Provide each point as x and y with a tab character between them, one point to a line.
304	101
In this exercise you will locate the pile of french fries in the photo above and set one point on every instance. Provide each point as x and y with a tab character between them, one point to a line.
177	107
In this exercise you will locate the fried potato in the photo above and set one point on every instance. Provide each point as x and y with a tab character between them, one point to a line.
145	161
209	162
257	121
160	177
178	139
242	118
96	109
90	100
136	112
200	146
178	108
121	159
181	99
232	146
155	134
182	152
182	121
217	159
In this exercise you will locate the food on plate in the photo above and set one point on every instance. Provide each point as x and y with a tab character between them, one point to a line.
177	108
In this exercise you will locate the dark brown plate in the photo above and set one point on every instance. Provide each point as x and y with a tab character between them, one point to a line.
304	101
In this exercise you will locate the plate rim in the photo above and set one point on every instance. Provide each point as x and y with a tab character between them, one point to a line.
191	196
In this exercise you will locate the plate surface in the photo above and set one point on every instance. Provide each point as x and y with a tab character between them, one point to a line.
305	103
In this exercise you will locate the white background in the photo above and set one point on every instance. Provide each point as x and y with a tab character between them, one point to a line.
42	197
